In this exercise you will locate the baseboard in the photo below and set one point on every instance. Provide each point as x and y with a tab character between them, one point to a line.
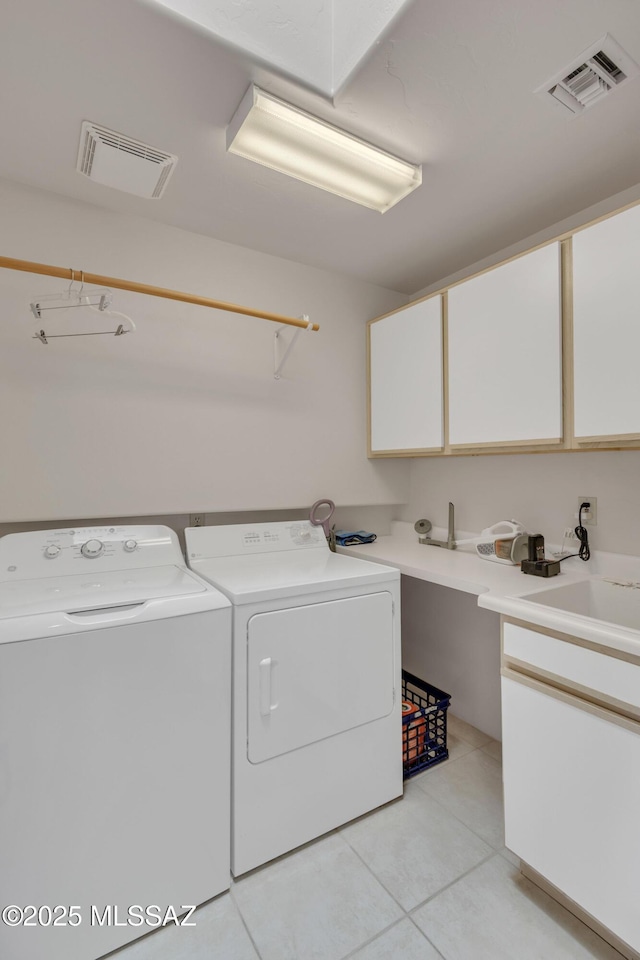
578	912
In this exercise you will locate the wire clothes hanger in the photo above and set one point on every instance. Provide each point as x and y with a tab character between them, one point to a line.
97	301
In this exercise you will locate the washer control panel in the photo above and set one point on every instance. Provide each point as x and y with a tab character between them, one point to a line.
92	548
51	553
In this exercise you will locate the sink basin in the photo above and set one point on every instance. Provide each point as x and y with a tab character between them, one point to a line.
608	601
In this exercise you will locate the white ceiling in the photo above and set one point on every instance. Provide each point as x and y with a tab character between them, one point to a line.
318	42
449	85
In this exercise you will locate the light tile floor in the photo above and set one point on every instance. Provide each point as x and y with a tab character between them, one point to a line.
424	878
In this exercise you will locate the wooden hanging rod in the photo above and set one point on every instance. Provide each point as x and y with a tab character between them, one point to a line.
66	273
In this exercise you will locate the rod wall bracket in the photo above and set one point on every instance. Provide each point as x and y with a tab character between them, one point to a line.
281	350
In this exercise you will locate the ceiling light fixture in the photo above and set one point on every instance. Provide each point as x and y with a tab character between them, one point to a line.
278	135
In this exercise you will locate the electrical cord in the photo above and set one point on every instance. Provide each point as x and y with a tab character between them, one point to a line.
583	536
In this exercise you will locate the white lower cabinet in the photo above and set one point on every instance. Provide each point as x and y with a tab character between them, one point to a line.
572	799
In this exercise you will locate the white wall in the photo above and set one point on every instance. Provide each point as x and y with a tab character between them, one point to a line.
540	490
185	414
600	209
454	645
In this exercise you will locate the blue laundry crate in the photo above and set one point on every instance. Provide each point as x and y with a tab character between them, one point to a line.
424	728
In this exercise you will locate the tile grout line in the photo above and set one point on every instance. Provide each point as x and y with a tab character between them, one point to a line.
452	760
381	933
407	914
379	881
493	852
376	878
459	819
443	765
455	817
335	832
243	921
452	883
439	952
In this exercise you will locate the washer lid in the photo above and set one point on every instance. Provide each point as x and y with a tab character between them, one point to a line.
270	576
101	589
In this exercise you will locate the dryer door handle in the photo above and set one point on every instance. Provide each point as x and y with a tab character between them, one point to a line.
265	675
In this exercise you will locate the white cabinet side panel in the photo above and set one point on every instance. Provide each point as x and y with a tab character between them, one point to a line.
505	352
572	795
606	320
406	378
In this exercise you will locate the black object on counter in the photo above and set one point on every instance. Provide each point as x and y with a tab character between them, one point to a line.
536	547
536	565
541	568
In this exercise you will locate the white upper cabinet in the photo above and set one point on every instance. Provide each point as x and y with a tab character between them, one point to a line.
505	354
606	328
405	351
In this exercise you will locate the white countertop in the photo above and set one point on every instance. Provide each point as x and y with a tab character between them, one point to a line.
503	587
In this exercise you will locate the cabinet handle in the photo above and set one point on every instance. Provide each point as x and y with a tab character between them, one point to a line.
605	711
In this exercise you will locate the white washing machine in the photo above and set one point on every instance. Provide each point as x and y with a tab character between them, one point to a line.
316	715
115	676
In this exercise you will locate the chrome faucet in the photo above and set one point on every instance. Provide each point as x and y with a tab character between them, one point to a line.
423	527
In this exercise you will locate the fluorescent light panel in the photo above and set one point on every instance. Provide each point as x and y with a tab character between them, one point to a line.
277	135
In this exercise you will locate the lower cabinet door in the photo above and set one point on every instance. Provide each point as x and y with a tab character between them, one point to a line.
572	801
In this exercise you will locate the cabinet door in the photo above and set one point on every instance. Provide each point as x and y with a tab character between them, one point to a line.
572	795
405	351
606	328
505	354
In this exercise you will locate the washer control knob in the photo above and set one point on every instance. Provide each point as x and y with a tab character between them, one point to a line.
129	545
92	548
52	551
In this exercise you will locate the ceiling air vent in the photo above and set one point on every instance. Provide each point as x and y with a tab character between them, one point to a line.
599	70
123	163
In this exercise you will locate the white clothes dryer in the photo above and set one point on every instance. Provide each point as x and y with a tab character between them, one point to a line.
115	676
316	714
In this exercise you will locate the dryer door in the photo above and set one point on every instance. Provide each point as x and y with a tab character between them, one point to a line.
315	671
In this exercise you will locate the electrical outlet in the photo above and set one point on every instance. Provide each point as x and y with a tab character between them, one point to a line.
569	534
590	516
196	519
